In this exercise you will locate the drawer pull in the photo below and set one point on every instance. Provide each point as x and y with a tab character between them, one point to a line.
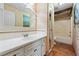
35	50
14	55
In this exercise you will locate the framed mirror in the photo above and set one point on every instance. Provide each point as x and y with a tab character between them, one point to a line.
18	17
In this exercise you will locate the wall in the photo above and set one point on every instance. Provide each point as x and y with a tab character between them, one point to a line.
41	16
75	28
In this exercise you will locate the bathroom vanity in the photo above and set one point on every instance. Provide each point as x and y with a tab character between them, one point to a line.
21	44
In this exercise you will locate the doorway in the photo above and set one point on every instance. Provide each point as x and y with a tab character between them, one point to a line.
62	25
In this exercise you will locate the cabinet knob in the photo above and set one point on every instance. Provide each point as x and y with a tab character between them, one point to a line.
35	50
14	55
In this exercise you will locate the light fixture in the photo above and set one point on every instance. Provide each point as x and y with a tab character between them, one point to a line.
60	4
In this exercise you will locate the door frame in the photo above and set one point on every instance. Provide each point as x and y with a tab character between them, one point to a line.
52	19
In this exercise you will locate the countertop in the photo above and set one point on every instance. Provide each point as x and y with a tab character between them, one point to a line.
13	41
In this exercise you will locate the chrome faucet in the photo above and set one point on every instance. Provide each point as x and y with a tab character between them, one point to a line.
26	35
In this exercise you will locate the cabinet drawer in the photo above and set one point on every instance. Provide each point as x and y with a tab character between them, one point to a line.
18	52
43	50
43	46
36	51
33	45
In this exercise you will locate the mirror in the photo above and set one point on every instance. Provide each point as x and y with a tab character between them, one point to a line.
19	16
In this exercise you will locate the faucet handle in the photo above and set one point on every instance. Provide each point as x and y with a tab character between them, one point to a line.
26	35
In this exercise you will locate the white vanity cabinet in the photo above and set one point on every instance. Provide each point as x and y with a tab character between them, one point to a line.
33	51
43	47
36	48
18	52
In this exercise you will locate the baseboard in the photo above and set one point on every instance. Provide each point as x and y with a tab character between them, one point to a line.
63	40
48	52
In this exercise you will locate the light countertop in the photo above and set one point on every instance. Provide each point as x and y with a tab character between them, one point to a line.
13	41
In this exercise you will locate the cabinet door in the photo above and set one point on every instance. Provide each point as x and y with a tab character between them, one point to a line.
33	49
29	51
38	51
43	47
18	52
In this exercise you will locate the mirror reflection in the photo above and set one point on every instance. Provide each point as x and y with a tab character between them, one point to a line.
18	15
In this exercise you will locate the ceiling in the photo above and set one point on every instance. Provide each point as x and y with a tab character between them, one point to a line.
61	6
19	6
62	11
26	7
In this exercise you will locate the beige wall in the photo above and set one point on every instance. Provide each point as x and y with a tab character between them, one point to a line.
62	27
41	16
